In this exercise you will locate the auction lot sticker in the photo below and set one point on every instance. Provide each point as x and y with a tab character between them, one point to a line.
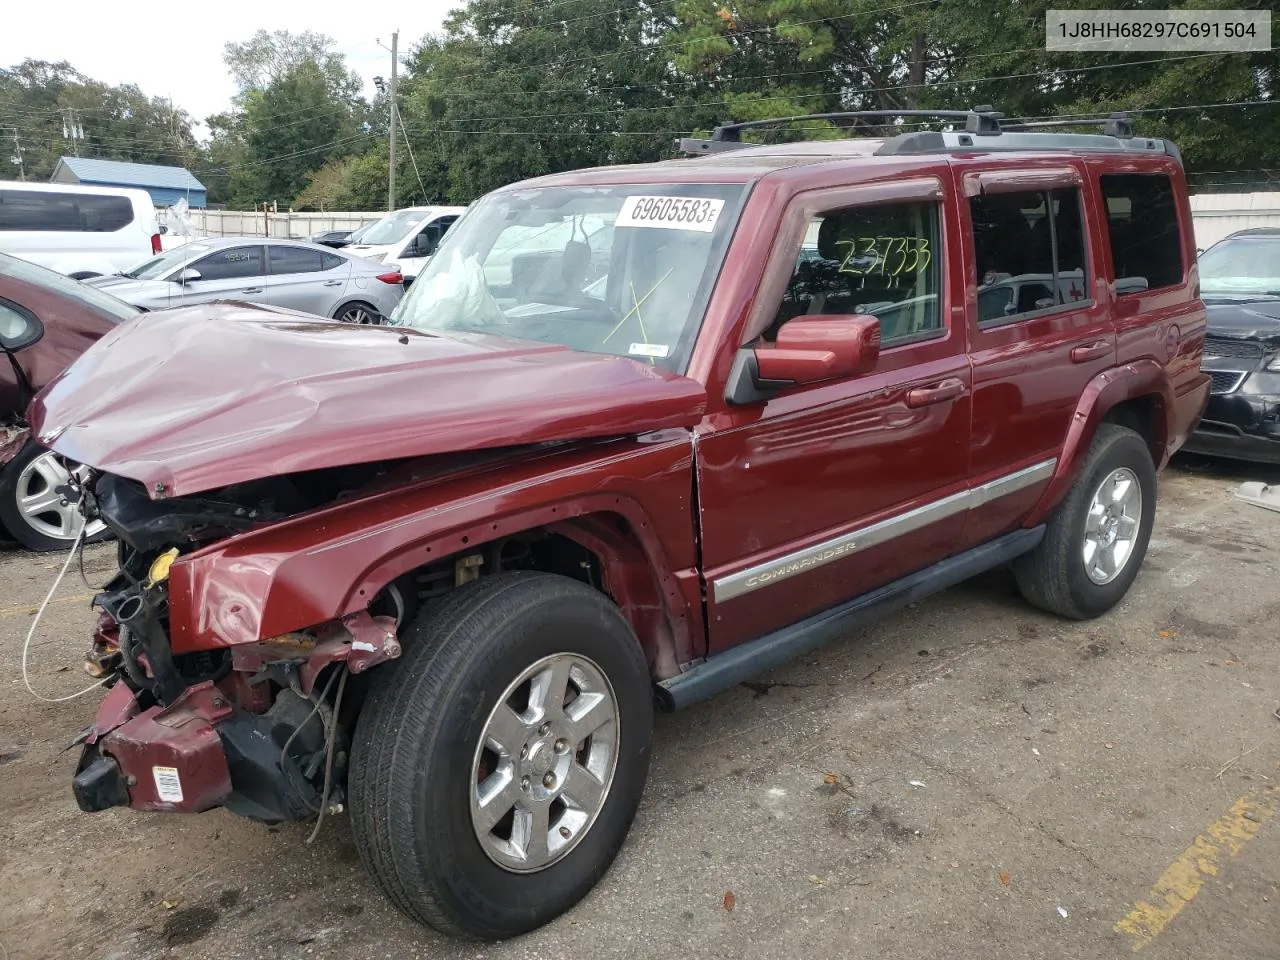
670	213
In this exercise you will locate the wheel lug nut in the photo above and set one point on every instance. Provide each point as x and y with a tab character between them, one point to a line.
524	783
562	745
545	728
564	832
549	781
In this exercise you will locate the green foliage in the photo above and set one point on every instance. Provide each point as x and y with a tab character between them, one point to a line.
40	100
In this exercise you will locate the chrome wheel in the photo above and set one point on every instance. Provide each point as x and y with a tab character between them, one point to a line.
544	763
1112	525
356	314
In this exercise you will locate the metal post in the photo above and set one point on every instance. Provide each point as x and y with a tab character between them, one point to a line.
391	167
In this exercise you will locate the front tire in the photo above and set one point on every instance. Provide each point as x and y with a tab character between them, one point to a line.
31	508
1096	539
497	767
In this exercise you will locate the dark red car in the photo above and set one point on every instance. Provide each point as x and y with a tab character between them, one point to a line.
46	321
635	434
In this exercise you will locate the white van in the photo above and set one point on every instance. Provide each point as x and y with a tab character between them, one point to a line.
79	231
407	238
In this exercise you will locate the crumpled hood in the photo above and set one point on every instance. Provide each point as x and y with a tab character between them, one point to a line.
1247	320
202	397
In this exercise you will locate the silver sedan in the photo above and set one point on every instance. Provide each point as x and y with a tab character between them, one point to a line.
279	273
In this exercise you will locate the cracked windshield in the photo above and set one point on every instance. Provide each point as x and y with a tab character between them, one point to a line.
623	270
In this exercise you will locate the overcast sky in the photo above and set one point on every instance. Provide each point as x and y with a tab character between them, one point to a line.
175	49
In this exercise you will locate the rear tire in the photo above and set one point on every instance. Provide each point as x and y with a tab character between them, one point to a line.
466	719
1096	539
359	313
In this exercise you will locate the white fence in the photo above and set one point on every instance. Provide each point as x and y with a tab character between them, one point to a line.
237	223
1217	215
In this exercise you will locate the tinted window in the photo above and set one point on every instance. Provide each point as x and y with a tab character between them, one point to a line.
329	261
231	264
1029	252
73	212
1142	222
879	260
86	296
17	327
296	260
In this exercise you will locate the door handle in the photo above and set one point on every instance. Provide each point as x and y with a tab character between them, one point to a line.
1090	351
252	290
939	392
333	283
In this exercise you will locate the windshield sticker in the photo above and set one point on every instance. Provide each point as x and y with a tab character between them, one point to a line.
658	350
670	213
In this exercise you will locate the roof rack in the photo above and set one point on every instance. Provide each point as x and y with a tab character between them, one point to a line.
982	121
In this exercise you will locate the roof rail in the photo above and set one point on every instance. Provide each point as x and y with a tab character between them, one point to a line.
981	121
1118	125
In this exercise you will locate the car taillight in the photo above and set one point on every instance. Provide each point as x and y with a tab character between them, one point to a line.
155	243
396	277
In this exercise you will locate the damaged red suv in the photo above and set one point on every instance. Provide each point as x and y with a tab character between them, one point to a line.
634	435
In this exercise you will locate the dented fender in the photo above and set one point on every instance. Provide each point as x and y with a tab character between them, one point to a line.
332	562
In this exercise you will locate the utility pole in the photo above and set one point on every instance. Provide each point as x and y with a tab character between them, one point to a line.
72	129
391	169
17	154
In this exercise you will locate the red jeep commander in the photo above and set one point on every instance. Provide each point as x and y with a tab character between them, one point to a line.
637	429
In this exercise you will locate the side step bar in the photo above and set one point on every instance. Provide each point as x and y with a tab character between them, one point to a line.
748	659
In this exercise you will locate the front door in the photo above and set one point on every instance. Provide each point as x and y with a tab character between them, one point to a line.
822	492
233	273
1039	329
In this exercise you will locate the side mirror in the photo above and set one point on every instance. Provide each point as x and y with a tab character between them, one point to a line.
425	245
819	347
188	276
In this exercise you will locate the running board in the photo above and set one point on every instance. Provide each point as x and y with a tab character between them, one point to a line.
748	659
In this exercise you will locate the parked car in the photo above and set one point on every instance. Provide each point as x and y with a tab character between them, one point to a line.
46	321
332	238
284	273
1240	282
406	239
481	539
78	231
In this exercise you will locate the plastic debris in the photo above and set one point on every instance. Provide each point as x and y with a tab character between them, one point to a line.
1260	495
915	783
729	899
1062	912
1035	751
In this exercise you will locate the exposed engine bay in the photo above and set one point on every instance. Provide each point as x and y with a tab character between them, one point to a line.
262	728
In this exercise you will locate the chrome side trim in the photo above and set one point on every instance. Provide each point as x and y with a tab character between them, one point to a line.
810	558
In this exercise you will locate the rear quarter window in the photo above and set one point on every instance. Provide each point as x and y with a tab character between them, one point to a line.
43	212
1142	226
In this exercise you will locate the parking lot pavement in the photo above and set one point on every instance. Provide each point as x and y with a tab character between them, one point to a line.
971	778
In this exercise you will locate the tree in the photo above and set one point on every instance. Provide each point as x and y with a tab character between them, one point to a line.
265	58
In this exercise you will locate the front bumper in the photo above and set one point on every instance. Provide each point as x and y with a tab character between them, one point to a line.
1243	425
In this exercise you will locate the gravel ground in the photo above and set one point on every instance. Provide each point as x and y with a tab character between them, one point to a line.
971	778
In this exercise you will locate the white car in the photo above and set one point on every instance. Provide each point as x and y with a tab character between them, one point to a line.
406	239
78	231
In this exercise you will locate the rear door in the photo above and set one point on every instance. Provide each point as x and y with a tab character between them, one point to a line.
306	278
1039	325
232	273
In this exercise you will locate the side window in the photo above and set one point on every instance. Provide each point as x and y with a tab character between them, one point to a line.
330	260
1142	223
230	264
18	328
1029	252
53	211
883	260
295	260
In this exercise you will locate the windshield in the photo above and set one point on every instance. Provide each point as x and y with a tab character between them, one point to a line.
1241	267
624	270
157	267
394	227
88	297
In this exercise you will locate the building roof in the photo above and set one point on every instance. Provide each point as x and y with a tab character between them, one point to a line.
120	173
